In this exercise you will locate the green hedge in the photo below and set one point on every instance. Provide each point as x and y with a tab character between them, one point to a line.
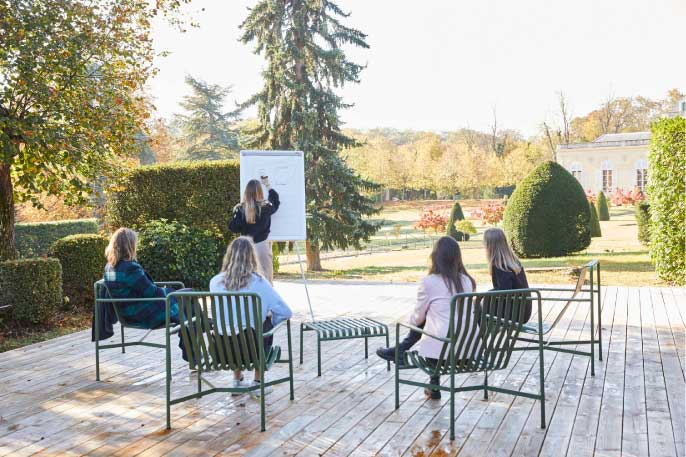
172	251
456	215
602	207
548	214
33	288
197	194
643	222
594	222
83	260
666	190
35	239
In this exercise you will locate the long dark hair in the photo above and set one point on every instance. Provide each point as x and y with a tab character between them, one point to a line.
446	260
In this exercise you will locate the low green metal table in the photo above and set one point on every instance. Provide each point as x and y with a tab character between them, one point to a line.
343	329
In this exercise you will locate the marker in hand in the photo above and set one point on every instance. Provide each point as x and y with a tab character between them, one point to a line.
265	181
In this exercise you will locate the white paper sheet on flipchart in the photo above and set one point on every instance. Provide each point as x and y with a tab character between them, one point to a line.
286	171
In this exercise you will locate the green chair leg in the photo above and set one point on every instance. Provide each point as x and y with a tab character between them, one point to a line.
486	385
542	382
123	348
301	344
290	360
397	369
366	348
319	355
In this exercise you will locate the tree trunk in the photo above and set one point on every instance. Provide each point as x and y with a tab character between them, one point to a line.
314	263
7	246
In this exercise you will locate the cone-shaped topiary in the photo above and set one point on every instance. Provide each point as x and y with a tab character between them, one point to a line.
548	214
602	208
594	222
455	215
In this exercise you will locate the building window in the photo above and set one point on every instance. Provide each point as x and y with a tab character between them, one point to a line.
606	168
641	174
576	171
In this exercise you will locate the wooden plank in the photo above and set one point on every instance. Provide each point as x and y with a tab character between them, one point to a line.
585	428
635	422
660	434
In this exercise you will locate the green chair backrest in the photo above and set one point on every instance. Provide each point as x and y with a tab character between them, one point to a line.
483	331
216	329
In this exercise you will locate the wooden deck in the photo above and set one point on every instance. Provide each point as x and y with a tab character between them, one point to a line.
634	406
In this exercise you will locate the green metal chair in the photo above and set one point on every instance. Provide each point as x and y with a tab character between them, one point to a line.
591	271
216	339
100	289
485	342
343	329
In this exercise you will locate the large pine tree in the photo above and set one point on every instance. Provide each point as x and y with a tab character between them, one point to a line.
298	109
206	128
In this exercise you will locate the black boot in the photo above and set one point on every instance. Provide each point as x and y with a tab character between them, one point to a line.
433	394
389	354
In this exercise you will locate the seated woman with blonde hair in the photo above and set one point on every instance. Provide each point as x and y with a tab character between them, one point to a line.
239	273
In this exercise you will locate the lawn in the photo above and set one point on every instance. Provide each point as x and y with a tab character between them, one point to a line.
623	259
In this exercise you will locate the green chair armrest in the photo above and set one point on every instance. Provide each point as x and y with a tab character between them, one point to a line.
278	326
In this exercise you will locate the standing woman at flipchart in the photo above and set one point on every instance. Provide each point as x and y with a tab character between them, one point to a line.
253	217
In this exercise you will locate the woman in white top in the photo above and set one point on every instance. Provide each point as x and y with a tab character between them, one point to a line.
239	274
447	277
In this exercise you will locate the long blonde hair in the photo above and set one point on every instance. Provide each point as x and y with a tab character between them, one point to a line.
239	264
253	199
122	246
499	252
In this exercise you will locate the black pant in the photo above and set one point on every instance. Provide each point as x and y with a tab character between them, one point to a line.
411	339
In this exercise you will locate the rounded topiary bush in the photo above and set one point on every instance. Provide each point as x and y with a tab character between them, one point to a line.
456	215
602	207
643	223
32	287
548	214
594	221
172	251
83	260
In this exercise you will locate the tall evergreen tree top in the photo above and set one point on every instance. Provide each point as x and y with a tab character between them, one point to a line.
206	128
298	109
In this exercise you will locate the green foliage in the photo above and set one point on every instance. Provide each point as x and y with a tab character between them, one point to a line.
71	98
643	223
466	227
275	257
206	129
83	260
33	288
197	194
298	109
34	239
666	190
456	215
548	214
602	208
172	251
594	221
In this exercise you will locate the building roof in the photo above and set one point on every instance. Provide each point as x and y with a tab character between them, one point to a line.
610	140
613	137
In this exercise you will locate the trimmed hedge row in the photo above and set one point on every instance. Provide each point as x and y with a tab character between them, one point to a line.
643	223
548	214
171	251
197	194
83	259
666	189
32	287
35	239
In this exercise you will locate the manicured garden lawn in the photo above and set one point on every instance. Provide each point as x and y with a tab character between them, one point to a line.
624	260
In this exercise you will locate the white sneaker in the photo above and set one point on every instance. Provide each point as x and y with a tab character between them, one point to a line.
256	393
239	383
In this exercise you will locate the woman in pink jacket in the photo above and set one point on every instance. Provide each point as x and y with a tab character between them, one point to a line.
447	277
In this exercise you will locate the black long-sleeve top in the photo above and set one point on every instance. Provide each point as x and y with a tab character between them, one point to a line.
508	280
259	231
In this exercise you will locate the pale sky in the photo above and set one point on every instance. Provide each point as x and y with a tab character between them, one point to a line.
443	65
